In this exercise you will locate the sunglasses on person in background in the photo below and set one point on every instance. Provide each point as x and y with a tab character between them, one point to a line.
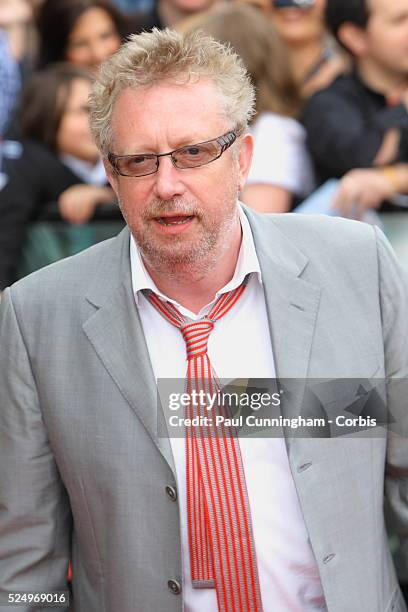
191	156
302	4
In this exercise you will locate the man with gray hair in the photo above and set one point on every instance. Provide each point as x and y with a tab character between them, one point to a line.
196	285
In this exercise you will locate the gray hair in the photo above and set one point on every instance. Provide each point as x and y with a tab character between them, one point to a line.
165	55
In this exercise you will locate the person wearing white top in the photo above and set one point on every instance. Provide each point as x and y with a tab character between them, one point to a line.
281	173
280	156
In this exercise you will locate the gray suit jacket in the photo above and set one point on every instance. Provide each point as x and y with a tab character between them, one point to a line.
83	473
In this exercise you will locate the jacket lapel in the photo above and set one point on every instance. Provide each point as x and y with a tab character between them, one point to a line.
292	302
292	305
116	334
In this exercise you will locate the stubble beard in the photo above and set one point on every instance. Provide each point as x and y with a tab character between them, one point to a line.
180	255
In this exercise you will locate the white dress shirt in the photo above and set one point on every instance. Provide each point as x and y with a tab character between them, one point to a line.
240	347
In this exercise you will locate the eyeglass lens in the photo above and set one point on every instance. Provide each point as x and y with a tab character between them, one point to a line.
186	157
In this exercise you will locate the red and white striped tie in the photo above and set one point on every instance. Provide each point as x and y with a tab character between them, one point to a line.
221	543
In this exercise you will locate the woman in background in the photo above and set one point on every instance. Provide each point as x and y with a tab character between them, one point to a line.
58	160
281	171
314	59
84	32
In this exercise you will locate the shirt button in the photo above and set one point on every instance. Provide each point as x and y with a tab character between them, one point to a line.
174	586
328	558
171	493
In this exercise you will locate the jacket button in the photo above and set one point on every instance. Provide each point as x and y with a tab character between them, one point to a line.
174	586
171	493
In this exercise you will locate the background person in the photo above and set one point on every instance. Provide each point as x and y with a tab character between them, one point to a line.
10	87
15	20
59	161
314	59
84	32
281	168
361	119
171	13
365	188
16	54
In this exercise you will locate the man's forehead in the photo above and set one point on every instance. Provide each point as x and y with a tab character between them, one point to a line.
166	93
180	114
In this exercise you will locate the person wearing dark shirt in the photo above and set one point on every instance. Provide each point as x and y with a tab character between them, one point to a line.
361	119
169	13
58	161
148	19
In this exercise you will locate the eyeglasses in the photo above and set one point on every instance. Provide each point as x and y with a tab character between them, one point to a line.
191	156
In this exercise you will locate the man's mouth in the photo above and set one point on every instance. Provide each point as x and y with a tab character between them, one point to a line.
174	220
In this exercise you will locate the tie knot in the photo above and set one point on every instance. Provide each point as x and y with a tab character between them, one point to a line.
196	336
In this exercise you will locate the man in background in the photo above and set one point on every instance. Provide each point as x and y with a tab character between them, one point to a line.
361	120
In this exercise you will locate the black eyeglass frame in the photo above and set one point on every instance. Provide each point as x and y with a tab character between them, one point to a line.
225	141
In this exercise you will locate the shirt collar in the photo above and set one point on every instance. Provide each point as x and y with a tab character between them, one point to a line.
247	263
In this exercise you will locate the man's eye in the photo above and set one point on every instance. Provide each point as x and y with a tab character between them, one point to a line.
192	151
136	163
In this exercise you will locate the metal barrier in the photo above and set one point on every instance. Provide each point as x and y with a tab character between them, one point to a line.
49	238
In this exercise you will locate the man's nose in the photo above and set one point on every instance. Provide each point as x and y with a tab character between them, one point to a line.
168	182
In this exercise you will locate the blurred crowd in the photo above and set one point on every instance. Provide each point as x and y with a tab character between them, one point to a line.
332	102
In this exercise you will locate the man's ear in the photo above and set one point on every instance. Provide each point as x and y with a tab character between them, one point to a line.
245	157
353	38
111	175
